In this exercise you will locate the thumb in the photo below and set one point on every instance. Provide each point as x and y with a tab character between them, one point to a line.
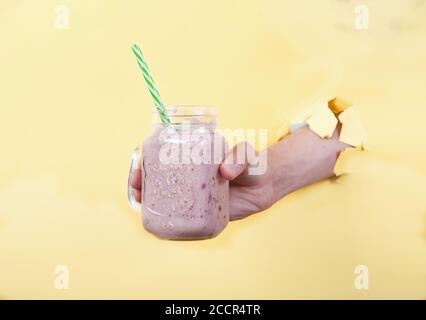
236	162
231	171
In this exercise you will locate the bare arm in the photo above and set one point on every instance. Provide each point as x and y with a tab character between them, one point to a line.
300	159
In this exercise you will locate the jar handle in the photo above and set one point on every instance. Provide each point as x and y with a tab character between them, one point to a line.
134	164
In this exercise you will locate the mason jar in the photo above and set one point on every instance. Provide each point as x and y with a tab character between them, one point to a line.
184	197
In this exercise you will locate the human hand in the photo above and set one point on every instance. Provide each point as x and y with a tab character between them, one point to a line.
247	193
300	159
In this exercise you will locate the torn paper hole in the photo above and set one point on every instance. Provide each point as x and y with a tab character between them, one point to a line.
346	162
297	125
352	131
339	104
322	120
283	131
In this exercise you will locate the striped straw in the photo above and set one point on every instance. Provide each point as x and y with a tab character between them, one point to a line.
151	85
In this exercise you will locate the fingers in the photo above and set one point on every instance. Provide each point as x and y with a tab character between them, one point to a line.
246	200
136	183
232	171
137	193
239	208
136	179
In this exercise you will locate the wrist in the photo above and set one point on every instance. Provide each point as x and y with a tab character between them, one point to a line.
279	166
300	159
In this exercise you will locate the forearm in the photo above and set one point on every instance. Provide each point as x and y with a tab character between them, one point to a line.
300	159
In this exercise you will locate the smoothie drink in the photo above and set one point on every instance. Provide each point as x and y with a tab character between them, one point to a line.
183	200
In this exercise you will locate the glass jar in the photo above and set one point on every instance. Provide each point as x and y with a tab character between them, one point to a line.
184	197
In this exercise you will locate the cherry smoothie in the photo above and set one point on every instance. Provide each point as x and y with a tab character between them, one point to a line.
183	200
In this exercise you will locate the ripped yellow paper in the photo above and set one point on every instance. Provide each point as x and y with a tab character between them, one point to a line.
338	104
297	125
352	131
301	116
322	120
283	131
347	161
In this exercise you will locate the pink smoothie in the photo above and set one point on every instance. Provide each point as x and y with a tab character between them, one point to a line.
182	201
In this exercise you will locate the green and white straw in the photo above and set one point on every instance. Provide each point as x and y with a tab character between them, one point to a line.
151	85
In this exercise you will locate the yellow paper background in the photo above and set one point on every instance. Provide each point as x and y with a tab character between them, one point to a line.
73	105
